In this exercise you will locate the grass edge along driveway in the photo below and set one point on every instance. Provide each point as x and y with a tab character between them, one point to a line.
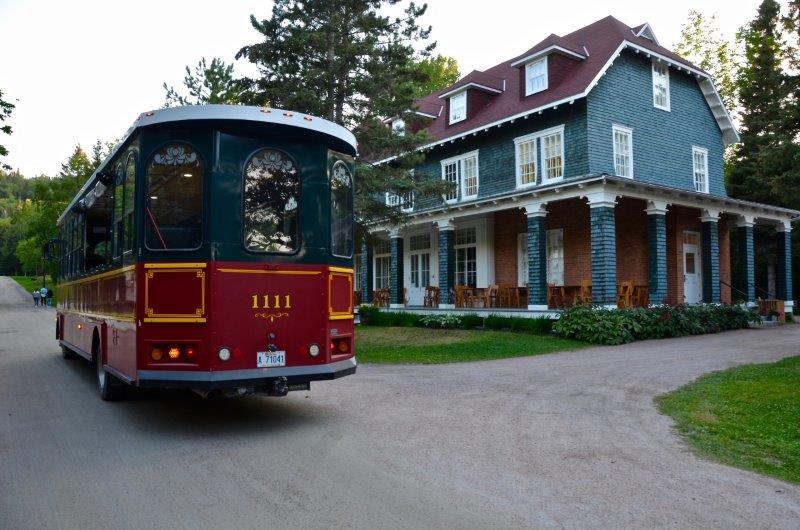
412	345
747	417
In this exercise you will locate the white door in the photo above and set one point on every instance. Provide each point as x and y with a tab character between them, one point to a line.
691	268
419	270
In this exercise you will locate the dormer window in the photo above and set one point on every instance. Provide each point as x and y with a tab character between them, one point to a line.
536	76
458	107
660	85
399	127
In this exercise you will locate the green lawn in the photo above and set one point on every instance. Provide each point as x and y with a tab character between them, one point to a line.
30	283
435	346
748	417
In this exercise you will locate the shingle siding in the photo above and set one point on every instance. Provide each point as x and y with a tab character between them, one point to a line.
662	140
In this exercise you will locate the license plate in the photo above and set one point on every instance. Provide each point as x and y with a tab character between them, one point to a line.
266	359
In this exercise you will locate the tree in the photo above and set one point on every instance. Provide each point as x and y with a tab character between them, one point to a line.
441	71
29	253
209	84
703	44
347	62
5	113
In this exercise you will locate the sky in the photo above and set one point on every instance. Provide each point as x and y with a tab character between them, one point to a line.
83	70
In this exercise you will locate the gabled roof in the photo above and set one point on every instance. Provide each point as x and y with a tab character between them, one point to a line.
478	80
591	49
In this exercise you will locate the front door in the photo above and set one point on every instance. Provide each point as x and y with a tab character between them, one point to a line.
691	268
419	270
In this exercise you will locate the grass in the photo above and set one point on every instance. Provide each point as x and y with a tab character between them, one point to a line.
748	417
29	283
395	345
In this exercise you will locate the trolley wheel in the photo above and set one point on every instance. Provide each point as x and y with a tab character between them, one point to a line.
107	385
67	353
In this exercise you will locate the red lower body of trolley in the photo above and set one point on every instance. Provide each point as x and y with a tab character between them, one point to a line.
234	327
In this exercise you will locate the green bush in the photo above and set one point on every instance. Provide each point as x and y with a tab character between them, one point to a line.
443	320
537	326
619	326
471	321
497	323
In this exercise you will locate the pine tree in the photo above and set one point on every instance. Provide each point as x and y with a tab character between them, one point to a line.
5	113
761	86
209	84
345	61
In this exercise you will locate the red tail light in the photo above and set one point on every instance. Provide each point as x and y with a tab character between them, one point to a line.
171	352
340	346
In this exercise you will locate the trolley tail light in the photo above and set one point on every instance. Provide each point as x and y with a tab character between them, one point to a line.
340	346
172	352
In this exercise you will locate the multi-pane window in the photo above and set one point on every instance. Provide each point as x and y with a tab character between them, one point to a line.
463	172
382	264
458	107
623	151
700	169
555	256
466	250
399	127
553	155
130	193
526	161
536	76
660	85
119	212
341	180
404	201
357	273
420	242
420	245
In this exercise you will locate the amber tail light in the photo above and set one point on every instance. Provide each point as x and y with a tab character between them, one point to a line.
171	352
340	346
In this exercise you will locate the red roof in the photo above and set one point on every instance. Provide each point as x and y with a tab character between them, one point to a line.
573	77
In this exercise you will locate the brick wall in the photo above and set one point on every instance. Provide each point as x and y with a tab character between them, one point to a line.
507	225
725	225
632	250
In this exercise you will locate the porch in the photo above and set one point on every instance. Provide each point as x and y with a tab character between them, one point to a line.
608	241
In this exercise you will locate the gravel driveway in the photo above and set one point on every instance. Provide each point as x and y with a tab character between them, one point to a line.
562	440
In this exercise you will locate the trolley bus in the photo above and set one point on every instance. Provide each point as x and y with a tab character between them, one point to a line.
213	250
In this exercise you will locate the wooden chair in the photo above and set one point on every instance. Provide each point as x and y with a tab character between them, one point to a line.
555	295
641	296
460	296
474	298
585	295
490	296
431	296
504	295
357	298
625	294
381	297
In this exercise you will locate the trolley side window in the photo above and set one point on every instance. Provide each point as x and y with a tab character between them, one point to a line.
271	200
341	210
119	202
130	193
174	201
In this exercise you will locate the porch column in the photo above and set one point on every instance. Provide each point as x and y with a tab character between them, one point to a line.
396	292
366	273
657	247
783	269
537	256
447	263
710	248
747	262
603	248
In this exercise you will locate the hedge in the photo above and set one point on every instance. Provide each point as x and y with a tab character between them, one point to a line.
373	316
619	326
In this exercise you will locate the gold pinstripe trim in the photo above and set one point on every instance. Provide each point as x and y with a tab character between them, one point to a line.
99	276
341	269
254	271
98	316
174	265
175	319
340	317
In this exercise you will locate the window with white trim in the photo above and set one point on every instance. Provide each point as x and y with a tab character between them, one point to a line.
549	144
357	273
420	245
404	201
555	256
462	171
660	85
553	155
536	76
623	151
466	251
526	160
382	263
399	127
700	169
458	107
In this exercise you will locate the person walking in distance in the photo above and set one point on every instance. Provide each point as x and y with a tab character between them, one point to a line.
43	295
36	295
50	297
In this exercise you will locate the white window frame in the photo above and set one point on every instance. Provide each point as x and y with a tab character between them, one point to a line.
460	181
522	259
543	160
628	132
657	78
529	89
695	170
539	158
551	260
381	257
405	201
465	247
458	97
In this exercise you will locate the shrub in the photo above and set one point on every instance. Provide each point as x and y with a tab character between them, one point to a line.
471	321
441	321
497	323
537	326
619	326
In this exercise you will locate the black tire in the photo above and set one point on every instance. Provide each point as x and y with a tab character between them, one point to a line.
107	385
67	353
